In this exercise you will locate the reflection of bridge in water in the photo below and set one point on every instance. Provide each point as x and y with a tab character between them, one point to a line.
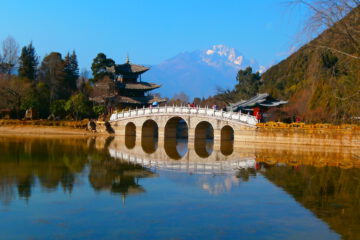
179	155
203	156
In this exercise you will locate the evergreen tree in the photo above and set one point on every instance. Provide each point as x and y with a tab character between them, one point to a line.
28	62
71	70
53	76
248	83
99	65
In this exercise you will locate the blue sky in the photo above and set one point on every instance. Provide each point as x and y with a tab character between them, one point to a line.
152	31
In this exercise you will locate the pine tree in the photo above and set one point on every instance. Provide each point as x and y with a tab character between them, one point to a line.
52	74
99	65
248	83
28	62
71	70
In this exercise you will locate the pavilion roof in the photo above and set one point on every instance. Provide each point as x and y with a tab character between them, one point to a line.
139	100
138	86
261	99
129	68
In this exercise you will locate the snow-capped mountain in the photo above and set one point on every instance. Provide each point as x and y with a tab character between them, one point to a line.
221	55
200	72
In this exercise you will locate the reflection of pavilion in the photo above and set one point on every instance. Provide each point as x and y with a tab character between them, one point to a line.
117	177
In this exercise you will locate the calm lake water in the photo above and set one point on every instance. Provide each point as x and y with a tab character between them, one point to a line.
109	188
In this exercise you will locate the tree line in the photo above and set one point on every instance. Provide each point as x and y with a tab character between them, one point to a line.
51	88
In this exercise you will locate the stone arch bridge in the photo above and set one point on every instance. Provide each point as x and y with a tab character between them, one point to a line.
164	122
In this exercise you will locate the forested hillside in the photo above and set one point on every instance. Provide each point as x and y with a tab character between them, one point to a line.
322	79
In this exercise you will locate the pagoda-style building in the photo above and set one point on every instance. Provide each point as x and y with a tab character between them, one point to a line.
125	88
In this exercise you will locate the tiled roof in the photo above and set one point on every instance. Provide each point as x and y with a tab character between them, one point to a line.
138	86
127	68
139	100
261	99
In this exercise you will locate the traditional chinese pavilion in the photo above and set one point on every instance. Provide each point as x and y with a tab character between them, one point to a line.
127	90
257	105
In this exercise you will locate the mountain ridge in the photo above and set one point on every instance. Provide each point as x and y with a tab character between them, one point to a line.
198	73
321	84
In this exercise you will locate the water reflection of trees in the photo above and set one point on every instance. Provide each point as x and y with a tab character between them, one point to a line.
331	193
245	174
58	163
116	176
24	160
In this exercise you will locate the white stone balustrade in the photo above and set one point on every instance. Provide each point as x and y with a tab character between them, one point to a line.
191	164
182	110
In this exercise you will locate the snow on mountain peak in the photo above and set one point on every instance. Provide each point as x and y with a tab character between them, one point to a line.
262	69
210	51
221	54
204	70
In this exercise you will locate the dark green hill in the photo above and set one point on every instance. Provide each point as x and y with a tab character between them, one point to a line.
322	83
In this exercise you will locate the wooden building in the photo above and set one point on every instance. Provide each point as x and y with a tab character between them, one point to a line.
123	88
257	105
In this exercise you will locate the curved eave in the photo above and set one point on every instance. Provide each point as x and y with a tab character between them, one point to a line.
142	86
128	68
139	101
159	100
139	89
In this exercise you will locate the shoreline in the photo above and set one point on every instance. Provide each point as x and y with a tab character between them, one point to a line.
43	130
267	136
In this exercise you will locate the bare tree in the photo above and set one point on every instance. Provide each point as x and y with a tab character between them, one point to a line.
225	95
83	78
12	91
179	99
10	55
330	14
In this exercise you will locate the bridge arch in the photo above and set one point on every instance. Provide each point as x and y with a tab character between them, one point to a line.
203	148
204	130
227	140
150	129
130	135
149	136
176	127
226	147
227	133
130	129
203	144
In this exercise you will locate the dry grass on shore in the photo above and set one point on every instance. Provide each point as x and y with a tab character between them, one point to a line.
72	124
308	126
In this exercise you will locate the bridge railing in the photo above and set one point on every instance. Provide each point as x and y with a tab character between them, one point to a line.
183	110
203	167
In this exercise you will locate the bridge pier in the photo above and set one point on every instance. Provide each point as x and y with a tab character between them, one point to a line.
138	134
191	134
217	135
161	137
